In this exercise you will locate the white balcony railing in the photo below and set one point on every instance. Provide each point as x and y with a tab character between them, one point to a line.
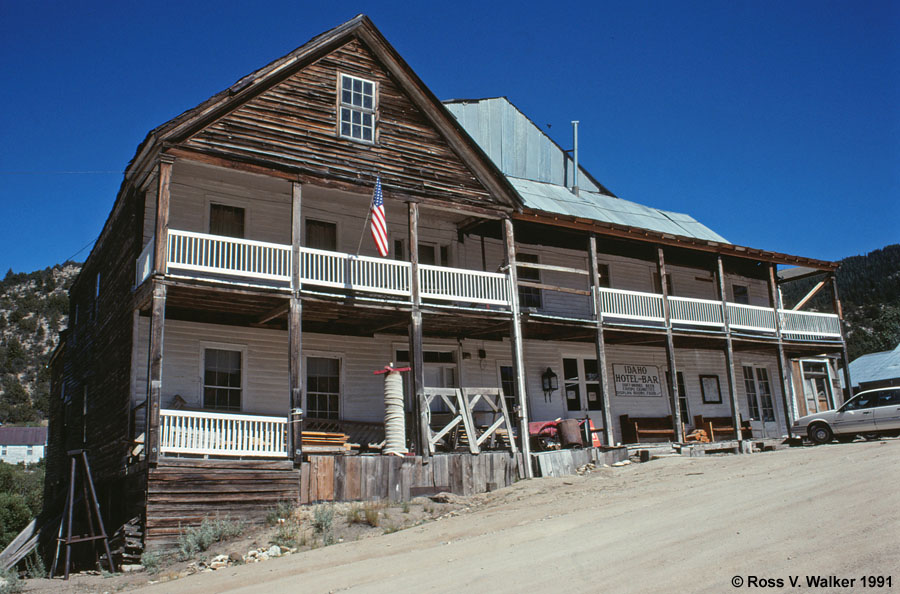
221	434
359	273
454	284
227	255
144	265
809	325
632	305
699	312
751	317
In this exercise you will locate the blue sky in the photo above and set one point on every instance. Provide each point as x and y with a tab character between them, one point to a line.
775	123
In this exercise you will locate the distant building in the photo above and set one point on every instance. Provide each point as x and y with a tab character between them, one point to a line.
22	444
876	370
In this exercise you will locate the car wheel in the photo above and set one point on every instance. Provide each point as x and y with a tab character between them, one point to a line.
846	438
820	433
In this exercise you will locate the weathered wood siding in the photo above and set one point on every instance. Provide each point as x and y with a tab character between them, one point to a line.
294	125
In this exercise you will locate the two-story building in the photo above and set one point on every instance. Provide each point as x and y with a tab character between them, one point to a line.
235	294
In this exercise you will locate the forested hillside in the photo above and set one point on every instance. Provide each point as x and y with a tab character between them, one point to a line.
869	288
34	307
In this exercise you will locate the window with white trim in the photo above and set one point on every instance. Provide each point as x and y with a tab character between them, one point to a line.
323	388
759	393
222	379
357	108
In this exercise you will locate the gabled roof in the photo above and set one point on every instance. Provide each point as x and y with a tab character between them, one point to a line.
27	436
361	28
876	367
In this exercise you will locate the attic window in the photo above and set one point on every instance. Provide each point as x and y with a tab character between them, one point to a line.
357	108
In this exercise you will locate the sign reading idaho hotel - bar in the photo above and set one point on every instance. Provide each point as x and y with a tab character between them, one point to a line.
637	380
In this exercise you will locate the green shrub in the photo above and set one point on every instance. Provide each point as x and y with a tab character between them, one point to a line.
152	561
9	581
283	510
212	530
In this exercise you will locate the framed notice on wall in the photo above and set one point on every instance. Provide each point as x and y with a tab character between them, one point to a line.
637	380
711	392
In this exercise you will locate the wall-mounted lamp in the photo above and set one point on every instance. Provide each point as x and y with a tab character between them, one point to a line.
550	383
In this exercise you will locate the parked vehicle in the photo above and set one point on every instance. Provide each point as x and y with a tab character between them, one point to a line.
870	412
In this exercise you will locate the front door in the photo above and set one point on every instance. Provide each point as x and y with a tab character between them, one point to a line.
816	386
760	404
582	390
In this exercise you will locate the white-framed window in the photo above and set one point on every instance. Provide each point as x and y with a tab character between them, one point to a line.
323	387
509	385
30	451
223	378
356	108
4	451
433	254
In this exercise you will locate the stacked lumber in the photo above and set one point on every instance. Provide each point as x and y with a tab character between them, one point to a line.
324	441
127	544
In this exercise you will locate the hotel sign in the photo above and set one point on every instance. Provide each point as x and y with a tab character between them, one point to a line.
637	380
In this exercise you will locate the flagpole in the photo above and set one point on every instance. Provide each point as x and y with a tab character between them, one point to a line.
363	234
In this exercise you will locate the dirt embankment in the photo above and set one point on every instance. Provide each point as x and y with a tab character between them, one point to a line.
671	525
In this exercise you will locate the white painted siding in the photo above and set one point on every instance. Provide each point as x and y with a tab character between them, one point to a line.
15	454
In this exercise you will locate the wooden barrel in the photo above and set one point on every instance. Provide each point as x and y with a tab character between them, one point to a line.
570	433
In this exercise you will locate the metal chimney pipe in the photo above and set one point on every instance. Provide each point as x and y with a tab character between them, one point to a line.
575	157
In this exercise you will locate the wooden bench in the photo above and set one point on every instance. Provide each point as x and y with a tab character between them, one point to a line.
719	428
635	428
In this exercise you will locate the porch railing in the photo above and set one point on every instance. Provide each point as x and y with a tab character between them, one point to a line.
807	324
226	255
455	284
751	317
144	265
633	305
221	434
360	273
700	312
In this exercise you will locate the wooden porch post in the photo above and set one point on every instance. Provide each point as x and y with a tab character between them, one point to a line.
157	326
670	348
729	350
162	213
845	360
787	384
516	343
416	357
608	433
295	336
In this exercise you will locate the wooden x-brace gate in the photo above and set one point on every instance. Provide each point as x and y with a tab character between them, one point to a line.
461	404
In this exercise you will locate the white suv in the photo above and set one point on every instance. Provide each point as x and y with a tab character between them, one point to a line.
869	412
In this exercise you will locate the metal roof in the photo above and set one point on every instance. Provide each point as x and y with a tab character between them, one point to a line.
876	367
557	199
10	436
516	145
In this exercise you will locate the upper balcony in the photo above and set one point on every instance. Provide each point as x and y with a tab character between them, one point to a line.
261	264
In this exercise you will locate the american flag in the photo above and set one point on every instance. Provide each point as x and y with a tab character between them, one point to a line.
379	224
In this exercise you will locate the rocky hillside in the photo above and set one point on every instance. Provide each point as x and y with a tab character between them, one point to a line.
34	307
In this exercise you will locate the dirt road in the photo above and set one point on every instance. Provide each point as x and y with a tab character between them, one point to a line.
671	525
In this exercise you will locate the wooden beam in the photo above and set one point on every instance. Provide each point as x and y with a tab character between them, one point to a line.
523	283
553	268
600	344
155	367
296	235
670	348
273	313
192	155
295	366
845	360
787	383
516	344
810	295
416	355
162	214
731	372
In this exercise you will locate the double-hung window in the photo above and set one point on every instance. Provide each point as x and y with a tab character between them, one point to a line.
357	108
323	388
222	384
